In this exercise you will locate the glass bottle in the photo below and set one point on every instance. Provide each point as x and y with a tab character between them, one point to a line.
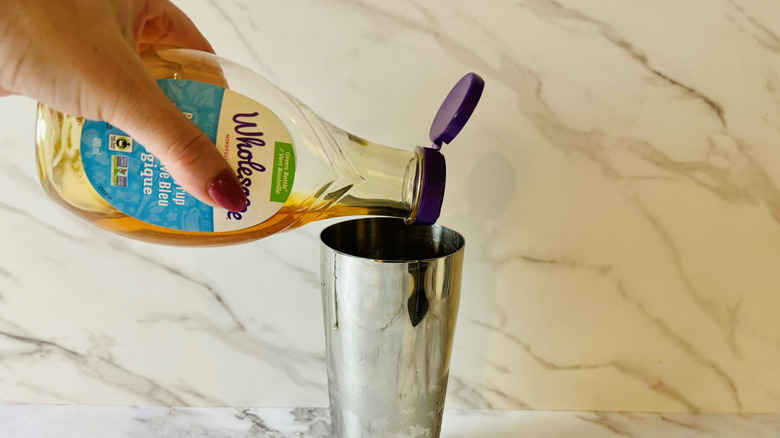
296	167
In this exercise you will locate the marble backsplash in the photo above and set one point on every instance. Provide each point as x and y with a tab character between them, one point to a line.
618	187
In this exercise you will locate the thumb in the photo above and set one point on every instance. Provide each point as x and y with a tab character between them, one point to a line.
186	152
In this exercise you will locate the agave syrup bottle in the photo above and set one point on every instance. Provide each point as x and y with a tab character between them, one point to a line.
295	167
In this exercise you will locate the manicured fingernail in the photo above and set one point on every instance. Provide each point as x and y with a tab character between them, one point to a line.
226	192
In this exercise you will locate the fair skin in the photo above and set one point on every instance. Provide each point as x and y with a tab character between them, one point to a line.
81	57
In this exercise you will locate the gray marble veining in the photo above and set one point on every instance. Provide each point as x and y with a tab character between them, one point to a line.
618	188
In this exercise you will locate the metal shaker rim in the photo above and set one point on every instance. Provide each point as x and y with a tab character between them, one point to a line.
391	240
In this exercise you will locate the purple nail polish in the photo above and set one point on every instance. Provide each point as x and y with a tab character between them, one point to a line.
226	192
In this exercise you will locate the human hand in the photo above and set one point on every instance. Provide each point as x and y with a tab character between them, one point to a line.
81	57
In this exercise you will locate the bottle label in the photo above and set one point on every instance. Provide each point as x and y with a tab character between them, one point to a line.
251	138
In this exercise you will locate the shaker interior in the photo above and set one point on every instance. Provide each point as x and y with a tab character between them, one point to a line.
391	239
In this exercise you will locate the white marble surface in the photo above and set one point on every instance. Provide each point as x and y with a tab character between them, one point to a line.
163	422
618	188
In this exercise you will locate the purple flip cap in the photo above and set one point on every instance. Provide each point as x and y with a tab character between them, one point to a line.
456	109
453	114
434	175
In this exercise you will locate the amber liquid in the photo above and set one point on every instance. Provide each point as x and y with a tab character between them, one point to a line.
62	175
290	216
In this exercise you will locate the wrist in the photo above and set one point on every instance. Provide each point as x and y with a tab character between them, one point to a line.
9	11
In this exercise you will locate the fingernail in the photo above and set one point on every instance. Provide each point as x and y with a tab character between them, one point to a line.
226	192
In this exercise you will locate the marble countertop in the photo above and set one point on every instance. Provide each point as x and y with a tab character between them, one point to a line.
37	421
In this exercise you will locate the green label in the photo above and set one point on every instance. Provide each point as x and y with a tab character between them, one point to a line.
284	172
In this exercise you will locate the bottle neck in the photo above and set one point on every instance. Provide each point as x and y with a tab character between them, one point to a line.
390	177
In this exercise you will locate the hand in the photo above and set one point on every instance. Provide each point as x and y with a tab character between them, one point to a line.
81	57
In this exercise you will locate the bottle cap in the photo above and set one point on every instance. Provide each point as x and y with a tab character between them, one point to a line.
452	116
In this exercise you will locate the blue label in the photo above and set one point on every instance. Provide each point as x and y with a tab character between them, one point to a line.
133	181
